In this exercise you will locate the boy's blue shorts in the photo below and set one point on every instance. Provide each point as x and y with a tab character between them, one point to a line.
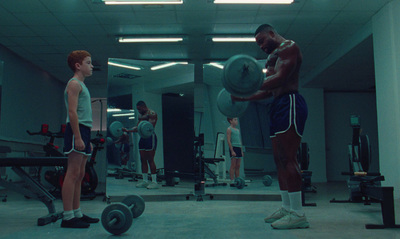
69	140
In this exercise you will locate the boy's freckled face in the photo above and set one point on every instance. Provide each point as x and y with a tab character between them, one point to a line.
87	67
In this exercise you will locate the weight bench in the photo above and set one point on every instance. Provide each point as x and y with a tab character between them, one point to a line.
31	188
208	171
369	188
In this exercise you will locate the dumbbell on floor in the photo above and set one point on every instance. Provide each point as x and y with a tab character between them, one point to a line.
117	218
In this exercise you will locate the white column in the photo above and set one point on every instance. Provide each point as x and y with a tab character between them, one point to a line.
386	41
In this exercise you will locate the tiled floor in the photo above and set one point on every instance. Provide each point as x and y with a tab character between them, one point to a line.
169	215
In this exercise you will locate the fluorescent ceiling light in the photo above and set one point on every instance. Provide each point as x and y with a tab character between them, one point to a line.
125	66
138	39
113	110
233	39
124	114
154	68
144	2
218	65
253	1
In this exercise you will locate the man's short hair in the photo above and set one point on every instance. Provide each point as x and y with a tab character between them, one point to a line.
77	57
140	103
264	28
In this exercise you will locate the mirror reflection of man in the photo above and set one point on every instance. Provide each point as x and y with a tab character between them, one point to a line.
147	147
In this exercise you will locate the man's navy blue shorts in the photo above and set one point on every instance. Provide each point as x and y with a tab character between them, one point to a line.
69	140
287	110
148	144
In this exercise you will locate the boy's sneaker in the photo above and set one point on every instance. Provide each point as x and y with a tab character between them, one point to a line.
143	184
280	213
89	219
291	221
74	223
153	185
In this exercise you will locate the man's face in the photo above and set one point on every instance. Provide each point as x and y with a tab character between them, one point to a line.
141	109
266	41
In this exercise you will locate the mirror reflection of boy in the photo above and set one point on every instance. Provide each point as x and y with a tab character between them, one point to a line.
235	148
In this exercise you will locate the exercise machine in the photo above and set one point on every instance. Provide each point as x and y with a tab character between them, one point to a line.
56	176
217	161
365	186
31	188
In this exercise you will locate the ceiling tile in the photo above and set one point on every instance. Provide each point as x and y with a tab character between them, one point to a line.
87	31
43	19
23	6
7	19
235	17
110	18
15	31
77	18
325	5
29	41
71	6
46	31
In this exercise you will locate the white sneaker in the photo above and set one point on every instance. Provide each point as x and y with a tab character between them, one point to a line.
291	221
153	185
281	212
142	184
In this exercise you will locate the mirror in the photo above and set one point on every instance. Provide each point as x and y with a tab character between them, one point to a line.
167	89
254	127
1	81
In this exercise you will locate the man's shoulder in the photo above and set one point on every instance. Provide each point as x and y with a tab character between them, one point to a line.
288	47
151	112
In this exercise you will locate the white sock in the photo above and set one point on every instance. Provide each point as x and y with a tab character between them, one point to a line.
78	213
145	177
296	203
68	215
285	200
154	178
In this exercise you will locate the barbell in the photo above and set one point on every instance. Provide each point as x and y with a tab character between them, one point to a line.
242	76
145	129
117	218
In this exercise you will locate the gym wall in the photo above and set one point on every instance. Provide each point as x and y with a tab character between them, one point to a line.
29	98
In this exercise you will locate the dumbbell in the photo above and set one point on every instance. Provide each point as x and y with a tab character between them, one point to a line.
117	218
145	129
242	76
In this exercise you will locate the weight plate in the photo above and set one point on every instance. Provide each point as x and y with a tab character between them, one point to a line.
145	129
137	202
242	75
229	108
116	218
240	183
267	180
115	129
